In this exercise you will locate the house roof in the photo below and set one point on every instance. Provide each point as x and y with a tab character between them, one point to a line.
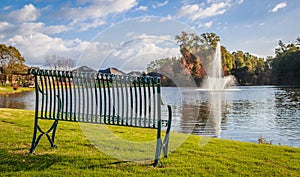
84	69
154	74
135	73
112	71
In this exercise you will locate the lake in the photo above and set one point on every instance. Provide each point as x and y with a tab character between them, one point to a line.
244	113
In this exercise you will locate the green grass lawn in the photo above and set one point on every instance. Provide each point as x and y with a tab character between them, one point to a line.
9	90
76	154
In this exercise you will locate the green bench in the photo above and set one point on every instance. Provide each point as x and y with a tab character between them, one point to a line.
99	98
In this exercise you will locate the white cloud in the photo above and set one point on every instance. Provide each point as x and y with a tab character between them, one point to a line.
26	14
55	29
95	10
141	8
84	26
157	4
144	37
27	28
35	47
4	26
240	1
6	8
195	11
135	54
279	6
205	25
95	54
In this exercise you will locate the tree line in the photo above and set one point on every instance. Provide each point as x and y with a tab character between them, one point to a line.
13	63
197	51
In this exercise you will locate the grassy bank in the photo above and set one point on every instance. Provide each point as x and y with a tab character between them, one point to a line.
76	156
9	90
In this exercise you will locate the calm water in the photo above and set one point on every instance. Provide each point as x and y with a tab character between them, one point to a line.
242	113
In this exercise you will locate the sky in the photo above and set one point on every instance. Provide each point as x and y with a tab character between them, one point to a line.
129	34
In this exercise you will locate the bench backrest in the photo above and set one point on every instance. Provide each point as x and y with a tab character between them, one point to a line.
98	98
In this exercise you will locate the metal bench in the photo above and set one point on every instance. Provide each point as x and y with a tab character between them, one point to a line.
99	98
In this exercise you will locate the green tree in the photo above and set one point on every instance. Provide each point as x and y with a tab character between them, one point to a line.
210	39
11	60
286	65
286	48
249	69
197	52
227	60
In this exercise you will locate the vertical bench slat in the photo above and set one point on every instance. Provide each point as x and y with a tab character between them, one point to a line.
136	101
54	94
154	103
66	93
105	97
79	90
122	79
131	100
46	94
57	94
76	96
158	105
50	93
70	77
100	99
94	95
117	99
126	98
140	104
149	101
145	101
62	96
113	98
90	95
42	95
84	99
85	92
96	98
88	99
108	99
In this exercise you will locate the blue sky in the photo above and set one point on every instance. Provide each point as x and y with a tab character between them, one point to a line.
88	31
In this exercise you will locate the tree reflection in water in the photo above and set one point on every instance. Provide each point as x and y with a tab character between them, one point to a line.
204	117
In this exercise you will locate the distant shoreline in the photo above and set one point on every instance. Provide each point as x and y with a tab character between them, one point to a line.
6	90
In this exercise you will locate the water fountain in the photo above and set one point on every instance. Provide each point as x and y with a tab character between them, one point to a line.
215	80
216	83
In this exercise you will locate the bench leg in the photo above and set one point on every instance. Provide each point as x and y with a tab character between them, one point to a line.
167	137
36	140
33	144
165	144
158	151
161	146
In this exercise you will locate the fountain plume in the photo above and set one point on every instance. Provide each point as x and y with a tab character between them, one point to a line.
215	79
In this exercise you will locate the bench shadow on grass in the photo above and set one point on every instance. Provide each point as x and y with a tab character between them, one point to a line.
11	162
16	162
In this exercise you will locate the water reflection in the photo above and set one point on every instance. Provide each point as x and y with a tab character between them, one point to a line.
244	115
22	100
287	116
213	123
202	116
